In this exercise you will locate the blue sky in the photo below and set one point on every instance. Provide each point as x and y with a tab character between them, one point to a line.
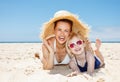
21	20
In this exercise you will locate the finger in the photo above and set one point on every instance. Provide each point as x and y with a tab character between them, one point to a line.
45	43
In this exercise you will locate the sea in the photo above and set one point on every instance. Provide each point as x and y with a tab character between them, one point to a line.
41	42
22	42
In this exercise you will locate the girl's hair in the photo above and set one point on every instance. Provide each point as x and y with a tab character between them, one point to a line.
70	37
75	34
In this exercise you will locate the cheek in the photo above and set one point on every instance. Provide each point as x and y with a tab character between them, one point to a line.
67	34
82	47
72	50
56	33
69	47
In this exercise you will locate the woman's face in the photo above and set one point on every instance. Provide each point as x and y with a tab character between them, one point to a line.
76	45
62	31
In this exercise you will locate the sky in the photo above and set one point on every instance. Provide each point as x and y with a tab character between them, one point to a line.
22	20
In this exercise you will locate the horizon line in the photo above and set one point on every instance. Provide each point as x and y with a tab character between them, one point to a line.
41	41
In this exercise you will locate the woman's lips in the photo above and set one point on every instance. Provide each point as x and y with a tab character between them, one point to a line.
62	38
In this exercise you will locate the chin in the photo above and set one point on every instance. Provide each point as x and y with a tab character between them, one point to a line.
61	42
78	52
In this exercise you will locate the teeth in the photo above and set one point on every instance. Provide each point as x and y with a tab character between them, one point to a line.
61	38
78	49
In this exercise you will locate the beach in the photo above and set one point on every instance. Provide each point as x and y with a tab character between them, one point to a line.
19	64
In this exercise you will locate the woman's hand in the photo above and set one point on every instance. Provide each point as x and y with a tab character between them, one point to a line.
50	49
48	55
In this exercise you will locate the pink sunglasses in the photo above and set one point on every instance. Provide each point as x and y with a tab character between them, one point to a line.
79	42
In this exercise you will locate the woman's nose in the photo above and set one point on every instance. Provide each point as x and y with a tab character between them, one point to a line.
62	32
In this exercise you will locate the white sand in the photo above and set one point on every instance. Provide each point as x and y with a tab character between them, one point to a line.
18	64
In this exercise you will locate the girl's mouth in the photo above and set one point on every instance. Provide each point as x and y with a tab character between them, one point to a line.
77	49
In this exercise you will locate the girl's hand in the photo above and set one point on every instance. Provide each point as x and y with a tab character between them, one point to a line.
72	74
88	45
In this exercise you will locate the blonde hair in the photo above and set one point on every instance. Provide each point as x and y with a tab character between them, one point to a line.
70	37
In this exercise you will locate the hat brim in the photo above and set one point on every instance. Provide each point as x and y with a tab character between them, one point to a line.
78	26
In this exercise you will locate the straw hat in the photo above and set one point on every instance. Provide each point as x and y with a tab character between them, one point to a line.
78	26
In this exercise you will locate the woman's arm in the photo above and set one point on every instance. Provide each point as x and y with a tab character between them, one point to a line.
48	56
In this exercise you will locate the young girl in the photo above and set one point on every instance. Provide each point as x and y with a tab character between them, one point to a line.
82	58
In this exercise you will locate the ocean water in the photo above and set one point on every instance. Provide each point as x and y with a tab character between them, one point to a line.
108	41
41	42
22	42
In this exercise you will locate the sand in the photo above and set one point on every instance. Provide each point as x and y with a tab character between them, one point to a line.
18	64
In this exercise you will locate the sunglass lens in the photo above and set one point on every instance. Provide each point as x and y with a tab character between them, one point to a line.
72	45
79	42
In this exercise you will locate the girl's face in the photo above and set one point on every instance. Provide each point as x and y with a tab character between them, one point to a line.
76	45
62	31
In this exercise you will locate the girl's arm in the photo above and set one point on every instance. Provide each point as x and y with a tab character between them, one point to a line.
91	62
74	67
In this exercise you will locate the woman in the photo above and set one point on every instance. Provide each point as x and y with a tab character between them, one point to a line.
54	37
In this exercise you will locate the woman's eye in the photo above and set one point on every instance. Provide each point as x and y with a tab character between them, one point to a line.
66	31
59	29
